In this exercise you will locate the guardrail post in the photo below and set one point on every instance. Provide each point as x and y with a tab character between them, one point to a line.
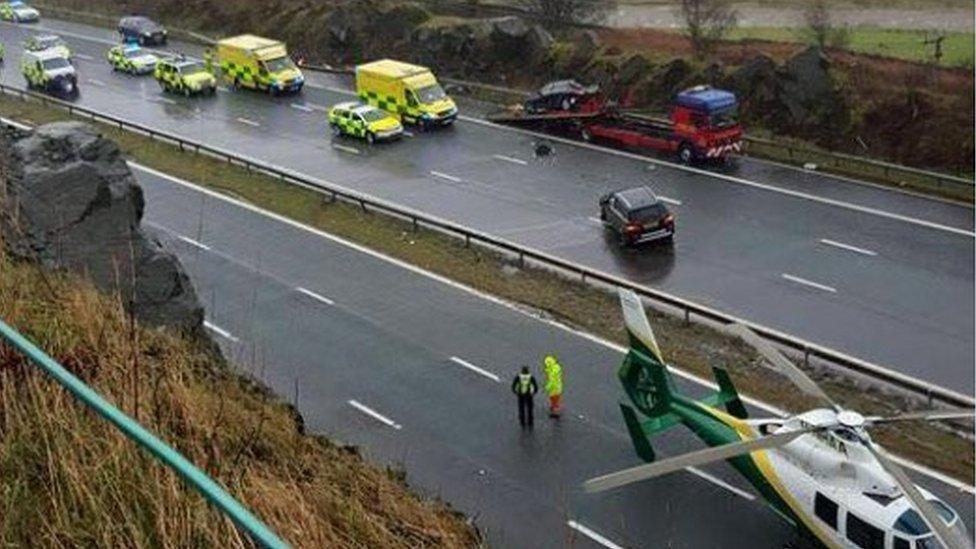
687	315
362	204
467	240
521	260
806	356
414	222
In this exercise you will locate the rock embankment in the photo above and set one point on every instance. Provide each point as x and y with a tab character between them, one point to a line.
69	201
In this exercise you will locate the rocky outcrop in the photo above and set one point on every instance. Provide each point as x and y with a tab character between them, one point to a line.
469	47
69	201
800	98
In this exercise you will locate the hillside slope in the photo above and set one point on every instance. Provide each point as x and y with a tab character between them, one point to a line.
68	479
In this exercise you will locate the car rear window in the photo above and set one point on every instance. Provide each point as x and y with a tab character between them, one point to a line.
648	213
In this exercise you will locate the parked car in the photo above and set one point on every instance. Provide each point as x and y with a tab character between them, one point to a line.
636	216
561	95
142	30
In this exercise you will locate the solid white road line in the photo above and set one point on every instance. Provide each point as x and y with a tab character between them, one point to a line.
374	414
83	57
315	296
596	220
504	158
475	369
192	242
94	82
166	100
620	349
345	148
249	122
219	331
847	247
810	283
599	538
721	483
446	176
667	200
301	107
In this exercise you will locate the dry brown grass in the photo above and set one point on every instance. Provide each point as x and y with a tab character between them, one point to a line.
68	479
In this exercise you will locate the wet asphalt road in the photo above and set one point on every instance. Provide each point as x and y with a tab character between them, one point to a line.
310	315
881	275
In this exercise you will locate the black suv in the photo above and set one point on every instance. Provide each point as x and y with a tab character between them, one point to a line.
637	216
561	95
143	30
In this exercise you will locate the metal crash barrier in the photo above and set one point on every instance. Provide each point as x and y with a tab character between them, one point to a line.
216	495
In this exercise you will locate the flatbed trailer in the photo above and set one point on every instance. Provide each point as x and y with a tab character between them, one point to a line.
693	132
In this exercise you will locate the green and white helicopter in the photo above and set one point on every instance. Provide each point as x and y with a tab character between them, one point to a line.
819	470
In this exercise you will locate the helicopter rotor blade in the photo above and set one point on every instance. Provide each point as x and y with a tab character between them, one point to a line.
927	415
784	365
700	457
949	537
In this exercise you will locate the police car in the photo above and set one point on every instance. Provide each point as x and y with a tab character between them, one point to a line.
49	71
181	74
364	121
41	42
18	12
132	59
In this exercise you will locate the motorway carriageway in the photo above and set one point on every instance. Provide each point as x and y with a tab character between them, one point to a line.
416	370
882	275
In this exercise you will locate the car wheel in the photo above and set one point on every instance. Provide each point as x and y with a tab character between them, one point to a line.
566	104
586	135
370	138
237	84
685	154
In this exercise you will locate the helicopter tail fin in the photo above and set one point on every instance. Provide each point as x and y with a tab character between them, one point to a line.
646	380
648	383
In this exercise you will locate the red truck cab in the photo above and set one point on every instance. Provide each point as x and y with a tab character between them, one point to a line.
706	124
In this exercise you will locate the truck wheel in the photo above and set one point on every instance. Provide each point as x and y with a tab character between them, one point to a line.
186	91
370	138
685	154
237	84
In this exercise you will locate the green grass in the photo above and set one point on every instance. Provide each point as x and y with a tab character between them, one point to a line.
957	49
691	347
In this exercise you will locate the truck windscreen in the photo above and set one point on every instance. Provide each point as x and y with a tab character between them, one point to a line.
278	64
430	94
55	63
724	118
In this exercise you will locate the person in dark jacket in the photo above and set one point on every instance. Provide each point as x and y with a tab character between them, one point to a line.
525	387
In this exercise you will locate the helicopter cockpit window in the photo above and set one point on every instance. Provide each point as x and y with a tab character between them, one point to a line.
826	510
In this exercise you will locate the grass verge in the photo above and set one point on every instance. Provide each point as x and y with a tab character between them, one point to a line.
691	347
957	48
71	480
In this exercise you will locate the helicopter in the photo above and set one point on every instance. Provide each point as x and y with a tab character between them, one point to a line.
819	470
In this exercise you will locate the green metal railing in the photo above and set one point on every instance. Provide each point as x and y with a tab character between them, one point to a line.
216	495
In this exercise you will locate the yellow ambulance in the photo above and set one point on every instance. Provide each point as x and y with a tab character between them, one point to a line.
249	61
408	91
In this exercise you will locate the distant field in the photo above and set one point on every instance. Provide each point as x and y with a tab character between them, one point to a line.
957	49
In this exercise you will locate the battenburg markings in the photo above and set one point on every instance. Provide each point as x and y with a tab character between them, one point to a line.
374	414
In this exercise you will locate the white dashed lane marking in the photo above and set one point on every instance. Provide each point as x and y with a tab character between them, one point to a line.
848	247
475	369
809	283
219	331
374	414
